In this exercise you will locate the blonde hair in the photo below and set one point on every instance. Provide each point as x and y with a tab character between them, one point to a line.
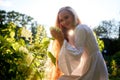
72	11
56	73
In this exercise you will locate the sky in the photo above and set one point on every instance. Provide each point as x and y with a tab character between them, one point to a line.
90	12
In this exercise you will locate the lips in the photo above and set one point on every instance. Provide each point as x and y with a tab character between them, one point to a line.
67	25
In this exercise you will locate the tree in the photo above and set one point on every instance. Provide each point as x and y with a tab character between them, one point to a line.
18	60
107	29
16	17
13	55
2	17
100	31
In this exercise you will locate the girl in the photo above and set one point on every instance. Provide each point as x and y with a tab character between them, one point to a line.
76	50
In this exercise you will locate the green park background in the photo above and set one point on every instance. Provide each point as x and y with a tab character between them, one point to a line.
24	47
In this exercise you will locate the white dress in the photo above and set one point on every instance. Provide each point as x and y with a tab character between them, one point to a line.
84	61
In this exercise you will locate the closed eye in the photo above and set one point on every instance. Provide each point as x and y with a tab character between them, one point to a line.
66	17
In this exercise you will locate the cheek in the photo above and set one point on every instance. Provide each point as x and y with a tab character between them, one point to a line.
72	20
61	24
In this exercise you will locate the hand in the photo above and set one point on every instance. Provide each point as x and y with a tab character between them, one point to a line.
56	33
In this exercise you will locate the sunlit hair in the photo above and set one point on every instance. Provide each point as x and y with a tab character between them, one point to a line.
56	73
72	11
75	16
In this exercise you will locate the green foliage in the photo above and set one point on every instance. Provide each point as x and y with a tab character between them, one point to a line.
109	32
38	48
113	65
100	42
12	55
114	68
19	61
53	59
116	57
100	30
22	53
12	61
40	34
26	34
16	17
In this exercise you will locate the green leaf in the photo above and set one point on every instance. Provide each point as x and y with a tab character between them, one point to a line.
12	34
21	42
15	46
52	38
45	41
53	59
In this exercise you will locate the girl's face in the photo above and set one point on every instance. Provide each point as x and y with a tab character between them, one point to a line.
66	19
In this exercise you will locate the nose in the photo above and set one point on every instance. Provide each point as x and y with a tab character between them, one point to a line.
64	22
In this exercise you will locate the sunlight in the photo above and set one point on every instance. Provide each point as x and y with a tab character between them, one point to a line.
71	32
5	3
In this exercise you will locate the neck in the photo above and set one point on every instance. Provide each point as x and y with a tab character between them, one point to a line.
72	28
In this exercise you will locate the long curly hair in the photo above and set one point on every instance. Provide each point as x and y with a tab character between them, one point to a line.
56	46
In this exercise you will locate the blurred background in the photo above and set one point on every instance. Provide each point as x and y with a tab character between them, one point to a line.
25	37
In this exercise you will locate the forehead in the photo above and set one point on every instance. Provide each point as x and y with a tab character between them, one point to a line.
64	13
